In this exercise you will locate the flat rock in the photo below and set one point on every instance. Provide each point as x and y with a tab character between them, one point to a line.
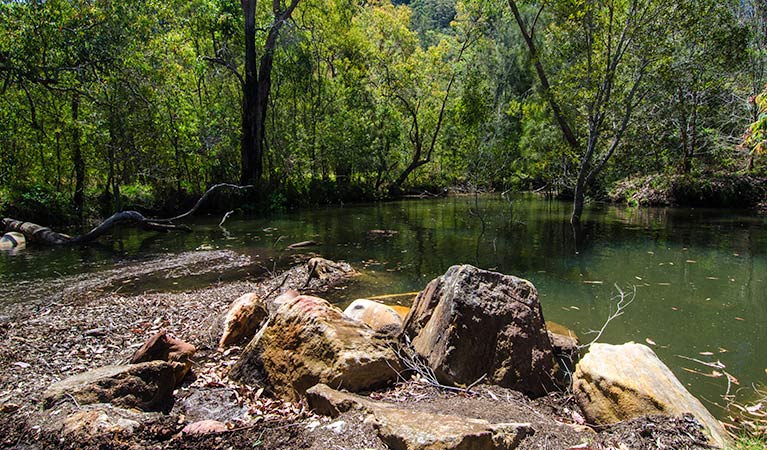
100	419
242	320
380	317
162	347
614	383
471	323
402	429
210	403
308	341
147	386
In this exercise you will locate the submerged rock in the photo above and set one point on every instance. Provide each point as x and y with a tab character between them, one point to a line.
380	317
308	341
470	323
147	386
162	347
613	383
405	429
242	320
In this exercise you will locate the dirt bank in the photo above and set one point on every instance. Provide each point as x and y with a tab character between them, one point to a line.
89	321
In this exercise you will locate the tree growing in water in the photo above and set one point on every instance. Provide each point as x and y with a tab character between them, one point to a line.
608	50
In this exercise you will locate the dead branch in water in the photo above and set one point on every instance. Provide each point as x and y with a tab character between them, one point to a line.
44	235
624	300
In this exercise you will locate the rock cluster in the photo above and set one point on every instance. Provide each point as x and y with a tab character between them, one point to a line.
467	326
308	341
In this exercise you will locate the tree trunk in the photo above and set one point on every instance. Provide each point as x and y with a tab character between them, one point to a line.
250	151
578	200
255	89
79	162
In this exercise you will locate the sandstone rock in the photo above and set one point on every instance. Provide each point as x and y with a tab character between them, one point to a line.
613	383
377	316
471	322
162	347
147	386
12	240
205	427
309	341
242	320
402	429
94	420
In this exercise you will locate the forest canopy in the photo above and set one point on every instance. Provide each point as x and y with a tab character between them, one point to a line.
108	106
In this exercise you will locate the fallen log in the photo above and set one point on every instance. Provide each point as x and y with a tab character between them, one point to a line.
44	235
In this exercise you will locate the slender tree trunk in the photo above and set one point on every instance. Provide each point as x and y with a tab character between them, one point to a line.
250	156
77	157
256	87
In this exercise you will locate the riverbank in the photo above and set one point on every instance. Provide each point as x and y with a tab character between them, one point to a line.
91	323
720	190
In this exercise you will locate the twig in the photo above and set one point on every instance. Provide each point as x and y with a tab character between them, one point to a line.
479	380
204	198
624	300
226	216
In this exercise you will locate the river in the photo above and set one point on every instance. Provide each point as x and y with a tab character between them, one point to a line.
699	276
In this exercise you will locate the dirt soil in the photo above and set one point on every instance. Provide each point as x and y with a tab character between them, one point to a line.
90	322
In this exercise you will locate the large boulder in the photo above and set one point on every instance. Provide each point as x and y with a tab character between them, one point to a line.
613	383
147	386
242	320
470	323
162	347
377	316
407	429
308	341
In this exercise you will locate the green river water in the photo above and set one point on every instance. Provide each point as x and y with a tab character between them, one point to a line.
699	275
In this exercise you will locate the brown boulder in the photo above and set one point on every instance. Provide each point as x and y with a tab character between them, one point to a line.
162	347
470	323
147	386
405	429
308	341
613	383
242	321
380	317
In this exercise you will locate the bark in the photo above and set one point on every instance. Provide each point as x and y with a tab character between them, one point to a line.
79	162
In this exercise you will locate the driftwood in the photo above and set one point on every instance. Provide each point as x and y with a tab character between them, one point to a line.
44	235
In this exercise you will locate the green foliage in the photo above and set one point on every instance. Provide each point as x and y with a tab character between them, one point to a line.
143	98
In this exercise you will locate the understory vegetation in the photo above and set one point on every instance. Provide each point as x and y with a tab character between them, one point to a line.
108	106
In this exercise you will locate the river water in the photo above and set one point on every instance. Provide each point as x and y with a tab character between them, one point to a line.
698	276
